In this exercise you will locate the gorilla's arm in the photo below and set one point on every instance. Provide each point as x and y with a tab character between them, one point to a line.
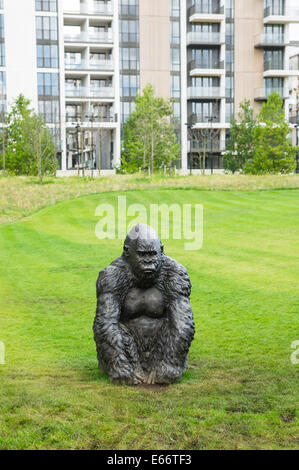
179	330
116	349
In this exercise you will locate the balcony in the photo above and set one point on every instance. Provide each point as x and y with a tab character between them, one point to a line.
206	13
101	65
97	66
278	16
86	122
294	117
105	37
210	146
102	92
205	92
85	92
294	63
100	10
270	40
261	94
199	38
76	92
199	69
204	119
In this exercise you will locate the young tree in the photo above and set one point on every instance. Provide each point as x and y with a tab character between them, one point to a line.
240	146
29	145
149	138
273	151
40	145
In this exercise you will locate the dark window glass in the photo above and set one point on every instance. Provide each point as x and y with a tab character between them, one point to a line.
47	56
46	5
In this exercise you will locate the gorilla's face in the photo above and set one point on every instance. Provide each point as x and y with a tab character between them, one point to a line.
145	258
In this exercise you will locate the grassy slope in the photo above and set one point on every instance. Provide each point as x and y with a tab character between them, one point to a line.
240	391
20	196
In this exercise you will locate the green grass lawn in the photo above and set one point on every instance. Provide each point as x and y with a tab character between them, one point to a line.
240	391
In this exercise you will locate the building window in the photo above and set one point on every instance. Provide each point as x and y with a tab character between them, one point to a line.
46	5
129	31
47	56
175	32
129	57
175	59
2	85
229	112
129	8
127	107
175	86
176	105
48	84
204	110
1	5
2	55
206	58
275	7
49	110
1	26
175	8
46	28
129	85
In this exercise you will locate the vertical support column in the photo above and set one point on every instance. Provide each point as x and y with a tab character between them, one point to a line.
116	145
184	117
62	85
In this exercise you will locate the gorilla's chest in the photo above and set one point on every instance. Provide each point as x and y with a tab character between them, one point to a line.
139	302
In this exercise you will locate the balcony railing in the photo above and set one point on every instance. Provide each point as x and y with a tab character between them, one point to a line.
294	118
193	64
210	146
101	65
294	63
103	10
206	9
205	92
84	92
102	92
270	40
198	37
79	92
276	11
104	37
273	65
76	66
82	118
263	93
203	118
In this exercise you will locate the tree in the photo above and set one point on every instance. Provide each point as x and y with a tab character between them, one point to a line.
240	146
40	145
273	151
149	137
29	145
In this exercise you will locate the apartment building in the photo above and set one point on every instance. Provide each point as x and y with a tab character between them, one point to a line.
82	63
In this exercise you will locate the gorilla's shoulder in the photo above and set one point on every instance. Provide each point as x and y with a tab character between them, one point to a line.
176	278
111	277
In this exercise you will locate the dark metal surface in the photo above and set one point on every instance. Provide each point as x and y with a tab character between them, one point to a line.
144	323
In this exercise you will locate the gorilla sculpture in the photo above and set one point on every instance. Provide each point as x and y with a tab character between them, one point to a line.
144	323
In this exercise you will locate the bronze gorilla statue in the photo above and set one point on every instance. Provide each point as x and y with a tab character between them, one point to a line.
144	323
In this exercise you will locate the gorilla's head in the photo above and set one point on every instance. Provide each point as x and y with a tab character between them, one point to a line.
144	252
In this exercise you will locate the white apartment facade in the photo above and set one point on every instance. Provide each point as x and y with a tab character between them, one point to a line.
82	63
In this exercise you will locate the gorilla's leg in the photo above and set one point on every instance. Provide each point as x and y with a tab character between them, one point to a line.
122	365
169	359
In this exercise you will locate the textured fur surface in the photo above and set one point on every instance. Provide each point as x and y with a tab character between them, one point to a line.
125	349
